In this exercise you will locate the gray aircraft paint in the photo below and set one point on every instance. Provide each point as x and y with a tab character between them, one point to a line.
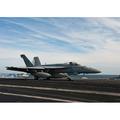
52	70
36	61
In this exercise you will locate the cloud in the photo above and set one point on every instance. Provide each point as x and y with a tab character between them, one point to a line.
90	41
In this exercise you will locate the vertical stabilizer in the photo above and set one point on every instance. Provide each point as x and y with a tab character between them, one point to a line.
26	60
36	61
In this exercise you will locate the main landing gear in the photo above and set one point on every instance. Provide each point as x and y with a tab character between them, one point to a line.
36	78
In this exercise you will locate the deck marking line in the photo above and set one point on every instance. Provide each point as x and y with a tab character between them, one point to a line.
64	90
36	97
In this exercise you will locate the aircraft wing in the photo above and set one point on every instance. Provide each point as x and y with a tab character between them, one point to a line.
24	69
17	69
27	69
53	67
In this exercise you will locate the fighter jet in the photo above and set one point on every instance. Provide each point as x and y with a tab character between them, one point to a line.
48	71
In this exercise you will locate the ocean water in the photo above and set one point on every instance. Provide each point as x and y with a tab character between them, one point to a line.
101	76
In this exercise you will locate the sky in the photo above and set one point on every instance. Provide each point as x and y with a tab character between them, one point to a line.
93	42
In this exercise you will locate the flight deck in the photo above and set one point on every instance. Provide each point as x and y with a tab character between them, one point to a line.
28	90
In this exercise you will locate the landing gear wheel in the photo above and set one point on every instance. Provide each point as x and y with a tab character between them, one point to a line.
48	78
35	78
69	79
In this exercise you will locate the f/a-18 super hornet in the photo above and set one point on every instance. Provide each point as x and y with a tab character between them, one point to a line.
48	71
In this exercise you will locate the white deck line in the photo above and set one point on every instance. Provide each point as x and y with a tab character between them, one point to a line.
36	97
63	90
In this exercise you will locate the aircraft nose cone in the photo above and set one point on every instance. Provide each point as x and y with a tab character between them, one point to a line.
97	71
92	70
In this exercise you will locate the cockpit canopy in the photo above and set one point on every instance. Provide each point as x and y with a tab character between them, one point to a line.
72	63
